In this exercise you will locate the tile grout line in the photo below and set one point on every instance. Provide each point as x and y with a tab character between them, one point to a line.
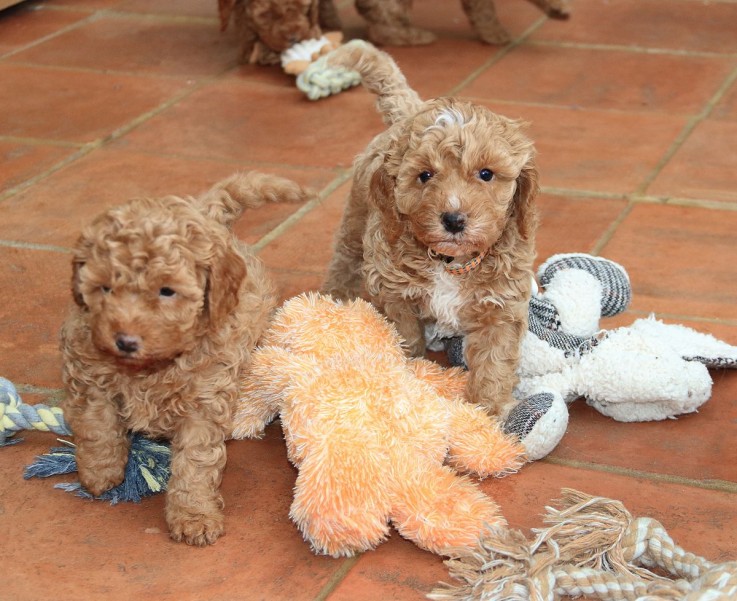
631	49
90	18
297	216
34	246
28	141
101	13
114	135
337	577
608	234
496	57
687	130
101	71
710	484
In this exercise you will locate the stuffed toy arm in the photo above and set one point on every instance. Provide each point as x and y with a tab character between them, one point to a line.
262	391
689	344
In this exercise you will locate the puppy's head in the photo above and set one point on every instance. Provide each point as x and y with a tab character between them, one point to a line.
460	178
280	24
154	277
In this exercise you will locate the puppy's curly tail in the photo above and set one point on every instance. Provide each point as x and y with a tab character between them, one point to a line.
380	75
226	200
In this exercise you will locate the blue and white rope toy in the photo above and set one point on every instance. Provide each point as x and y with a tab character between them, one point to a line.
146	473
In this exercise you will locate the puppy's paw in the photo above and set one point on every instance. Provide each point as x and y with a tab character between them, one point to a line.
198	530
101	479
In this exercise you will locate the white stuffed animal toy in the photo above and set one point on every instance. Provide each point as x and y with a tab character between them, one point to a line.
643	372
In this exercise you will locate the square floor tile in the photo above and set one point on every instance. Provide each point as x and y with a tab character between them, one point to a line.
691	25
55	210
22	161
136	45
680	260
234	120
589	150
36	288
75	106
27	23
618	80
704	167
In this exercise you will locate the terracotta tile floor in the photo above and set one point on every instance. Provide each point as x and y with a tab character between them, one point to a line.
632	106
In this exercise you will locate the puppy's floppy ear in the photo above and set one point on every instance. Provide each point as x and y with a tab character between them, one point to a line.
381	194
524	210
76	283
226	273
81	254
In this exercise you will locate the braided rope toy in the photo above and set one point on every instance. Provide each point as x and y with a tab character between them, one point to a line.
147	471
15	415
593	547
315	77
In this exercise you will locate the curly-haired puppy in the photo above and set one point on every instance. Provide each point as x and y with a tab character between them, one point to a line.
439	227
268	27
389	23
168	307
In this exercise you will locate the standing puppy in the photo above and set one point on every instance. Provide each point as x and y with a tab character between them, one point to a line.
440	224
389	20
169	306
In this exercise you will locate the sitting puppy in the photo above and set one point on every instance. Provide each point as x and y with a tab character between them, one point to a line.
169	306
389	22
268	27
440	224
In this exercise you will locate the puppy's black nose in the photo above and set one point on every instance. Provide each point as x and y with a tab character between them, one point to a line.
127	344
453	222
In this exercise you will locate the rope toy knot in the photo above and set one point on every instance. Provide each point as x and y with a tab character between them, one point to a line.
593	547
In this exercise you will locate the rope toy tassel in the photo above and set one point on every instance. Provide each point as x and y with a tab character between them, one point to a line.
592	547
503	567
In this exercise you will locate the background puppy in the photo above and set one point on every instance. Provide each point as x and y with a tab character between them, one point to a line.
439	227
169	306
268	27
389	22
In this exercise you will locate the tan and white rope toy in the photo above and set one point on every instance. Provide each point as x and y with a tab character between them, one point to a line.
593	547
315	77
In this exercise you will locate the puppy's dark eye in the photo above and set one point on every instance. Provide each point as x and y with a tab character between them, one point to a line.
486	174
105	289
166	291
425	176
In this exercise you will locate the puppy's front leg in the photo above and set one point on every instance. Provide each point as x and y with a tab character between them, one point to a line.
492	356
194	506
401	313
101	439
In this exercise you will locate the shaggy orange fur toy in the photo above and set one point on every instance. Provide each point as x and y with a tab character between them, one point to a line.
376	437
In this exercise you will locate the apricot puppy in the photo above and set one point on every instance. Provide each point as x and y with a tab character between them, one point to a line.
439	228
169	306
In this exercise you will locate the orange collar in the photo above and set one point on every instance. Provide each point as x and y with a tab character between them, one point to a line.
458	268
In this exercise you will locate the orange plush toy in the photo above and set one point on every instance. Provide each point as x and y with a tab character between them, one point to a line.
376	437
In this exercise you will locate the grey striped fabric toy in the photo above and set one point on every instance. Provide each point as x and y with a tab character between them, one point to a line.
646	371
